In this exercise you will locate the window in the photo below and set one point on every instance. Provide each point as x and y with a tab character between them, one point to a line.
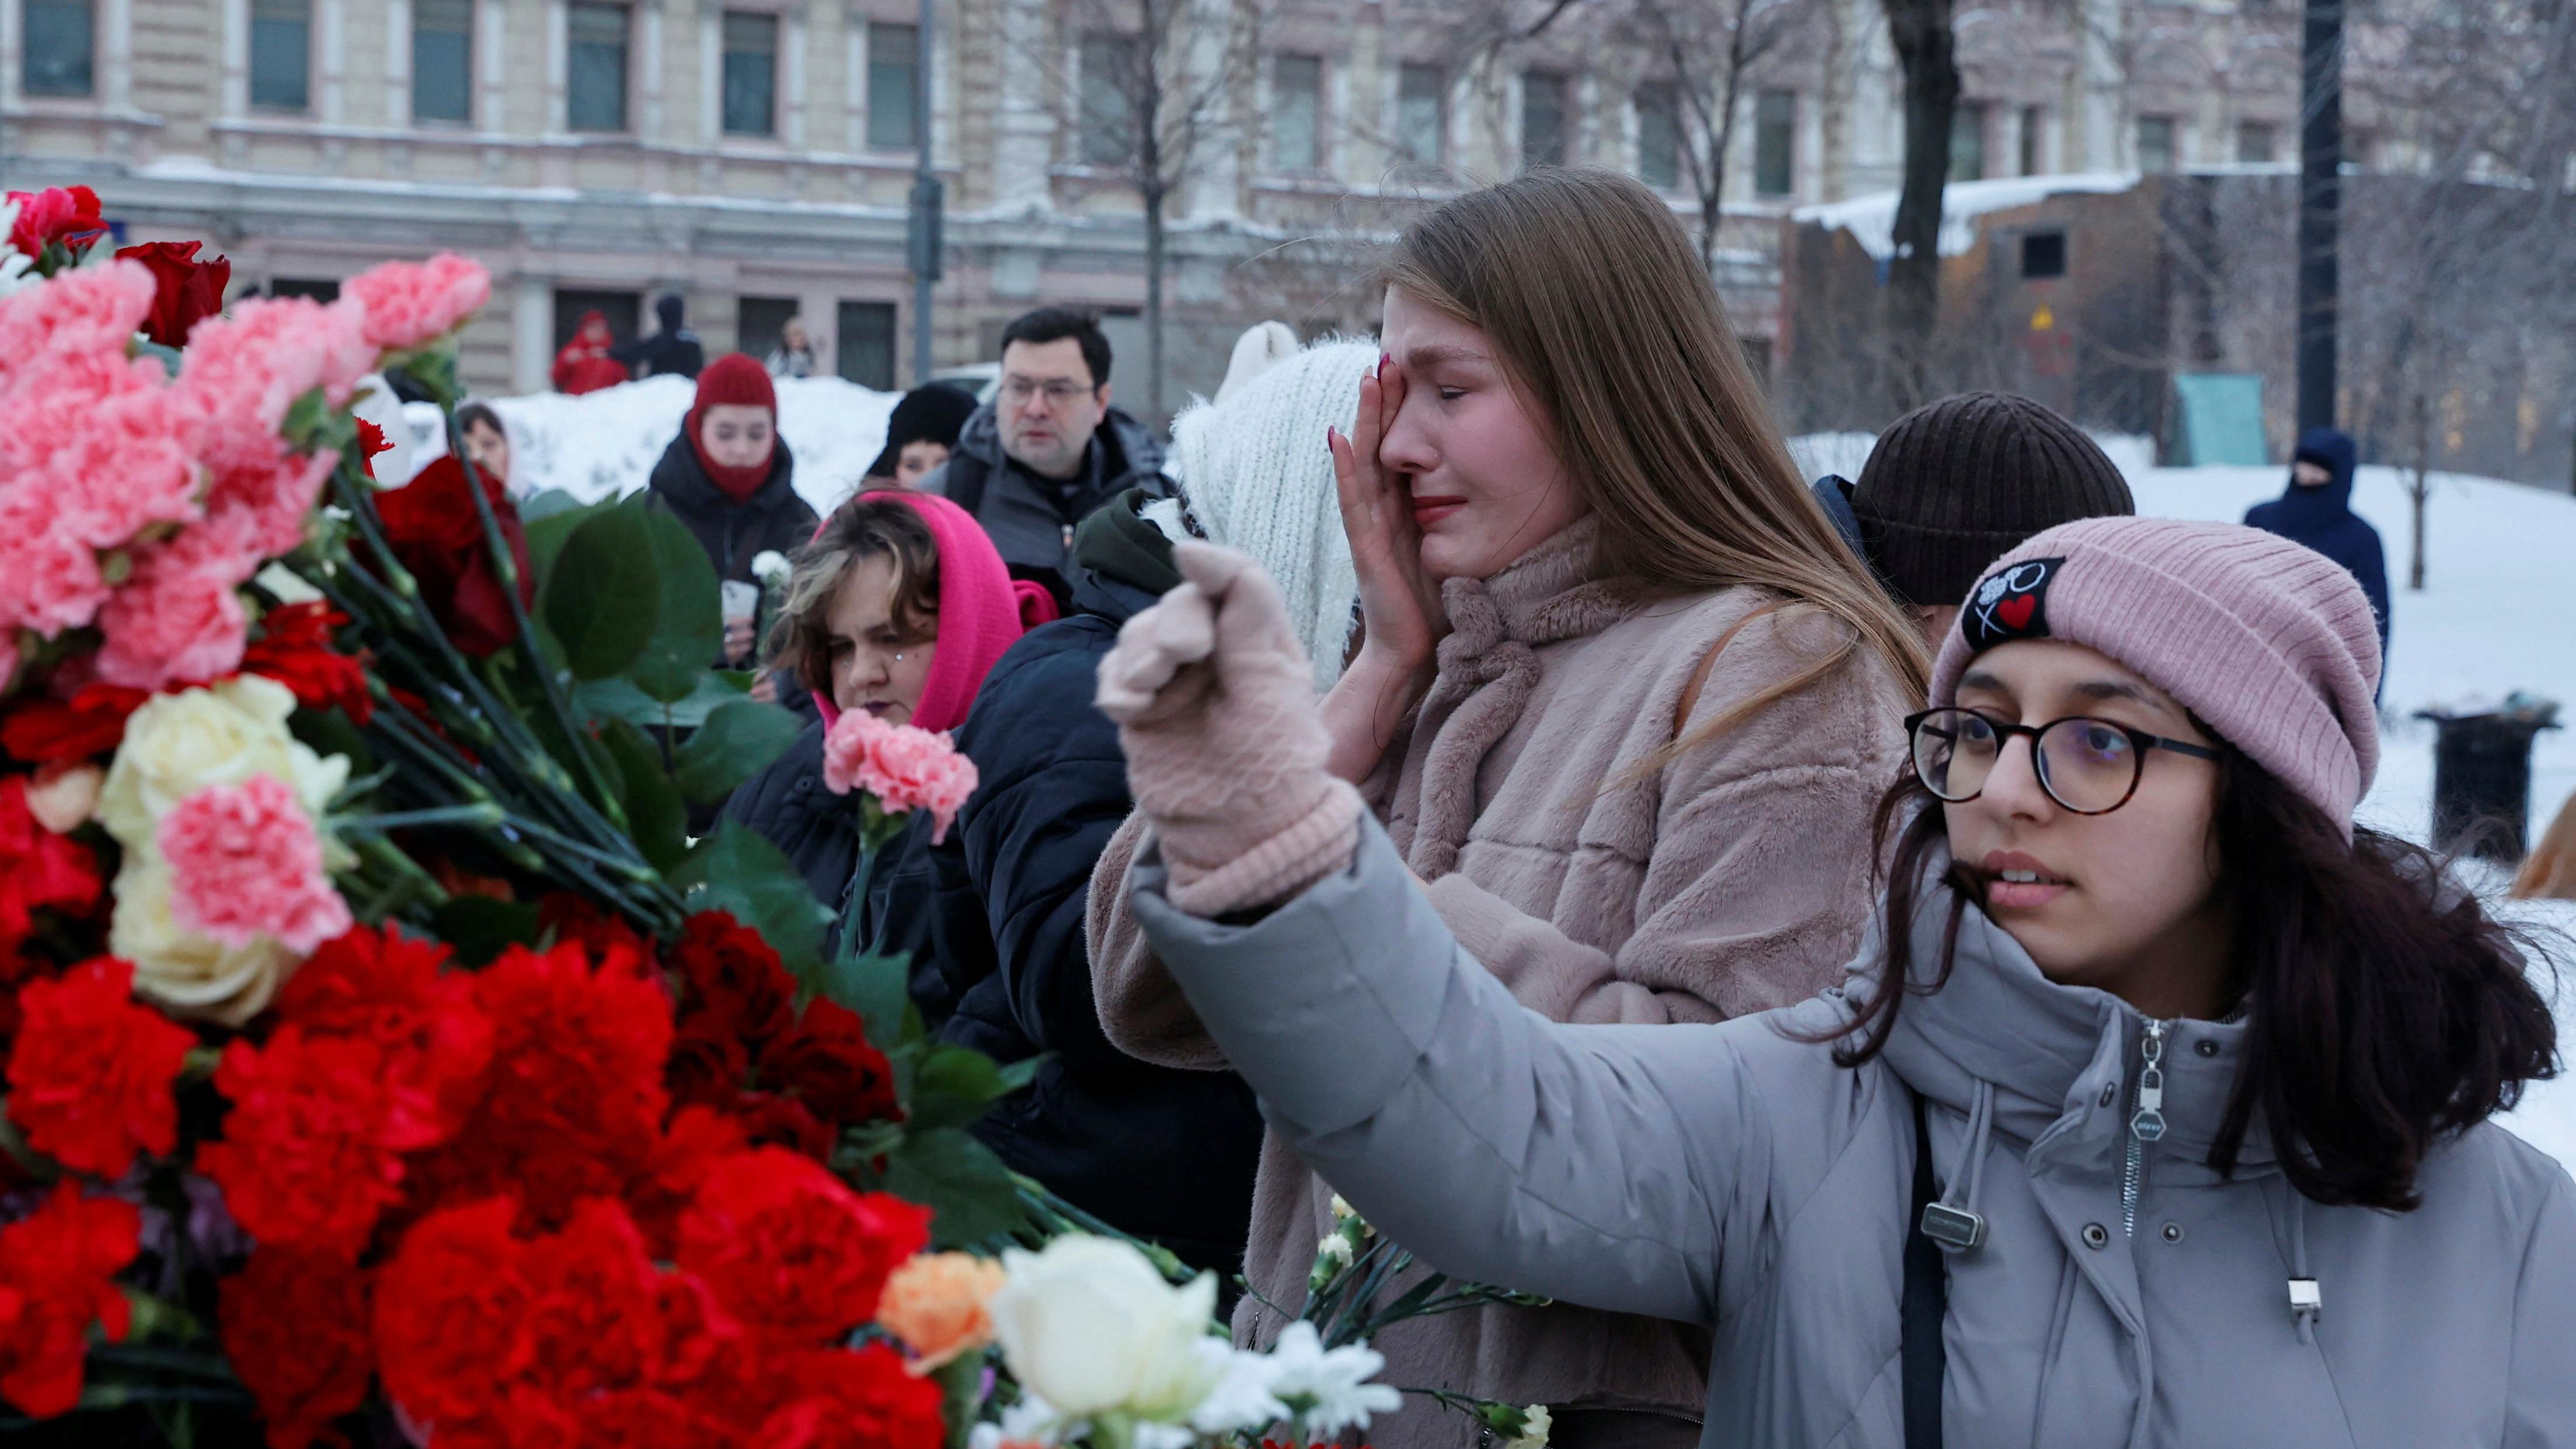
1109	76
1542	119
1659	136
623	310
2043	254
442	54
894	73
2257	142
2034	122
321	289
1296	113
750	74
759	323
281	54
1421	115
2155	143
866	348
1968	142
1775	143
595	66
61	36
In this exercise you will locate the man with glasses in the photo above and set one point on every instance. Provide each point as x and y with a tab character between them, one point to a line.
1048	449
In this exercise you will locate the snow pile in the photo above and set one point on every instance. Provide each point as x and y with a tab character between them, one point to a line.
604	444
1872	219
1840	454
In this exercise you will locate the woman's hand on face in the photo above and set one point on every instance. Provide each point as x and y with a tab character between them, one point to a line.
1399	601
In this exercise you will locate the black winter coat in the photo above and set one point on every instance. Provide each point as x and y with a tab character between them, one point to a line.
2322	518
772	519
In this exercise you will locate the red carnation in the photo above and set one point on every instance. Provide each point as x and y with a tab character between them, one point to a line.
448	1309
312	1150
371	441
860	1400
294	648
384	986
830	1066
790	1250
735	977
52	731
39	870
594	1315
57	1267
189	291
435	533
66	214
295	1327
771	1120
573	1103
697	1140
90	1079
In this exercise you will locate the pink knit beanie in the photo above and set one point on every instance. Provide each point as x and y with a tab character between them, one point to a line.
982	611
2270	644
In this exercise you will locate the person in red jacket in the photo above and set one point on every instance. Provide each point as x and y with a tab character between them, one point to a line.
584	364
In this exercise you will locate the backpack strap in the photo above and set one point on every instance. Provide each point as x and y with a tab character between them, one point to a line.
1926	1303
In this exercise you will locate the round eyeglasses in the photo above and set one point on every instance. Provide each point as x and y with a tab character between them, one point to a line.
2088	766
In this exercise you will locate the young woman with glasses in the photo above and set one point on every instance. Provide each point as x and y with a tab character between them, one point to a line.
2153	1113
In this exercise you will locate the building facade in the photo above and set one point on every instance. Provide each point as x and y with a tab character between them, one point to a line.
754	156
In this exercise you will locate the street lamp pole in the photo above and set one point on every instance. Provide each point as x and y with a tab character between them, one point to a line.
2320	206
923	242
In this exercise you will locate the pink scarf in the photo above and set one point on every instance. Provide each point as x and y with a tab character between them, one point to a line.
982	610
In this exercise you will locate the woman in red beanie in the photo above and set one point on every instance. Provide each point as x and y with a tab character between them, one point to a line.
728	476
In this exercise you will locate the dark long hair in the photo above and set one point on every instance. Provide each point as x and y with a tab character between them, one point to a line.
2384	1008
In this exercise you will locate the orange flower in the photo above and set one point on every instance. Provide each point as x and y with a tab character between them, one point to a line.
936	1304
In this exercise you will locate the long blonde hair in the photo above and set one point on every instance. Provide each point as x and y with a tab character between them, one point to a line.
1605	318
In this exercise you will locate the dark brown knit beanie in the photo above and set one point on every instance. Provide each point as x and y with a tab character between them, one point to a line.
1953	485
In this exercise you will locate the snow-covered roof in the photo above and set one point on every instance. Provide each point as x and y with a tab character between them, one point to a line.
1872	219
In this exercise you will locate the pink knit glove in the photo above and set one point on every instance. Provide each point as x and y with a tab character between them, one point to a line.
1215	704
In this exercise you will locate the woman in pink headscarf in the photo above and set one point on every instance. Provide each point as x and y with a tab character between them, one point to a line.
898	607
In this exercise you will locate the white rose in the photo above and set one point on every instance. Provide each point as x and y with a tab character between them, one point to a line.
1092	1328
178	744
182	972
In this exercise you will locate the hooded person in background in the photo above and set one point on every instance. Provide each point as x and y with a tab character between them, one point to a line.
920	436
1049	448
729	477
674	349
1952	485
2316	510
587	363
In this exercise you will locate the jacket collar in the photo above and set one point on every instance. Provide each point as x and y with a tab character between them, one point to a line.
1546	595
2048	1051
684	484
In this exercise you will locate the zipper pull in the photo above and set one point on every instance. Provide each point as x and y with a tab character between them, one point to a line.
2147	1124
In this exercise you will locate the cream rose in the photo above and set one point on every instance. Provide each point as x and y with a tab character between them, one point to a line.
176	745
182	972
1092	1328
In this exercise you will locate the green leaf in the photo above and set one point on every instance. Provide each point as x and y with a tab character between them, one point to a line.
548	531
618	698
548	503
655	815
736	870
480	928
603	597
735	743
878	988
954	1085
688	629
961	1181
312	425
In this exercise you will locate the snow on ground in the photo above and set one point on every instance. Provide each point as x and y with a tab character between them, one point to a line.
604	444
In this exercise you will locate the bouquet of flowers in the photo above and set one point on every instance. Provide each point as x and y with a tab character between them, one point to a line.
383	1059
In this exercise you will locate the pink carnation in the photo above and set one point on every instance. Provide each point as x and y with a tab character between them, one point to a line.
243	371
408	303
245	862
265	506
49	579
179	619
88	312
103	445
904	767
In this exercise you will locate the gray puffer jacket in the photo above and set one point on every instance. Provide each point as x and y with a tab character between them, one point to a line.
1732	1175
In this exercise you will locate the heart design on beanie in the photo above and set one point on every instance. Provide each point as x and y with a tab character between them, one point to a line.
2010	603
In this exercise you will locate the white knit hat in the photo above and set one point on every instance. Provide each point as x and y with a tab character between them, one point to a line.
1259	478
